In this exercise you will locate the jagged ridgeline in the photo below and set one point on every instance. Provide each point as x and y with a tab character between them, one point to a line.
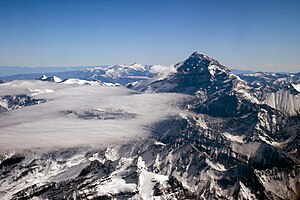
233	137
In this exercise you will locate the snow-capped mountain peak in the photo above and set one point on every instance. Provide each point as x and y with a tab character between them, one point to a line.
44	77
76	81
196	63
137	66
202	56
211	82
200	72
56	79
51	79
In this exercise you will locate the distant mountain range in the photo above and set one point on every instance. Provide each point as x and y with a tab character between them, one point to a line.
27	73
13	70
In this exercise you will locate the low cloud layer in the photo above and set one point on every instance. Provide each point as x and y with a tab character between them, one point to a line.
47	125
163	71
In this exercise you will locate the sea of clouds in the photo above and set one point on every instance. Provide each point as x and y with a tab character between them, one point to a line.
47	126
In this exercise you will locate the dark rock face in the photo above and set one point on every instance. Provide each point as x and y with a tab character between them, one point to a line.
194	74
226	106
18	101
219	92
15	159
106	114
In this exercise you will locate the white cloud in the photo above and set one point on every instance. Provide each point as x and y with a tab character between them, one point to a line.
46	126
163	71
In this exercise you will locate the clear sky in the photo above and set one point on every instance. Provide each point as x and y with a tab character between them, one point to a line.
257	34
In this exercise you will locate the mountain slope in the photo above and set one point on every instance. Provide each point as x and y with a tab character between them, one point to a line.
186	156
218	91
224	143
280	91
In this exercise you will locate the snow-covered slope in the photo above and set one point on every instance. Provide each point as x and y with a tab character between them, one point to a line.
80	82
280	91
270	81
76	81
296	87
286	100
181	159
122	74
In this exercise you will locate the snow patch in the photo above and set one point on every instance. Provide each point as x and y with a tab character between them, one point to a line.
80	82
213	69
284	101
234	138
115	185
56	79
159	143
296	87
44	77
216	166
137	66
147	180
246	193
200	122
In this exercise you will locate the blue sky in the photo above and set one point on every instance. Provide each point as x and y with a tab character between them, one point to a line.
259	35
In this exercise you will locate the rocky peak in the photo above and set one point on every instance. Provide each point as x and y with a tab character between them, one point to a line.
202	56
219	92
198	72
197	63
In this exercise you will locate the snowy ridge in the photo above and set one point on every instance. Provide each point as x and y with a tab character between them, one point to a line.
137	66
80	82
280	91
285	101
76	81
270	82
118	71
234	138
296	87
